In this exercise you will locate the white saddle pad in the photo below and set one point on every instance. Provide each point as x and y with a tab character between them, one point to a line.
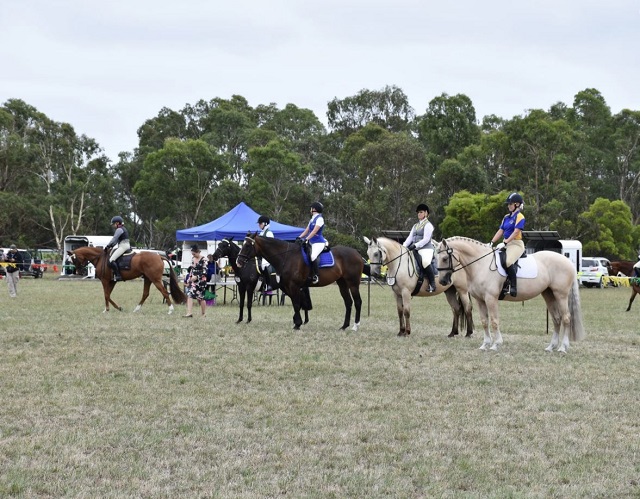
528	267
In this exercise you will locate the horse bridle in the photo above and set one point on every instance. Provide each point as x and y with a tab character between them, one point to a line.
449	252
402	253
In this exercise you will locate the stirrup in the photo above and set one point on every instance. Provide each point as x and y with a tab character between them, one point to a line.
315	279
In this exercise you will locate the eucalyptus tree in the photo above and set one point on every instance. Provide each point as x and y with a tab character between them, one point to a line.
607	229
175	184
388	108
448	126
626	153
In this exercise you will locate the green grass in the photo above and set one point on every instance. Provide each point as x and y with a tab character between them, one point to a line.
151	405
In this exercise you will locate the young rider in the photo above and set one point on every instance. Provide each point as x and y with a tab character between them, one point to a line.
121	238
420	239
313	235
265	231
511	228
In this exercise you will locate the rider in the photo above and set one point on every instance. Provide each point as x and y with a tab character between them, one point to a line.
636	268
265	231
313	235
511	228
419	239
120	238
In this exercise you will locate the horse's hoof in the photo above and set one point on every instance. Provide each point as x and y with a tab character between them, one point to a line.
549	349
238	321
494	347
356	326
138	307
451	334
483	346
562	350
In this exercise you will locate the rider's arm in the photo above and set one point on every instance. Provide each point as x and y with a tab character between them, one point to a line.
497	236
409	238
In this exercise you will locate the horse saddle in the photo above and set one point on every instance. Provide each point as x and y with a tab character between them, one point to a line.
324	260
124	261
526	268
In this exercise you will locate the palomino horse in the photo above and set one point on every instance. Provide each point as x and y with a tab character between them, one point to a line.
146	264
289	263
461	258
626	267
403	277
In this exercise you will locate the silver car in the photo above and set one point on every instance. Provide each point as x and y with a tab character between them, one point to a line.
592	269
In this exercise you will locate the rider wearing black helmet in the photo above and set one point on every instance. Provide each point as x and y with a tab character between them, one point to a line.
419	239
313	235
265	231
511	228
120	238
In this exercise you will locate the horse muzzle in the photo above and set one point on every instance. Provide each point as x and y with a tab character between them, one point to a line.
445	278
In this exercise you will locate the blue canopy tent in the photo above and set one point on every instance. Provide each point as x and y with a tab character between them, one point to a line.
235	223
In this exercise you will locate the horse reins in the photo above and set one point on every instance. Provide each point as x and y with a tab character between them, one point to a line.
402	253
462	266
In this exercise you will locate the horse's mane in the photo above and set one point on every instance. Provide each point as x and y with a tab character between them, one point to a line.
464	238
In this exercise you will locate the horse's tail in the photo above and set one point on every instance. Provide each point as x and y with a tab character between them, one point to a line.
174	286
576	327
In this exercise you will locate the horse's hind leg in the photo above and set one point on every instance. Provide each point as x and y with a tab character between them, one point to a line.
145	294
484	319
403	305
555	318
348	302
357	301
633	295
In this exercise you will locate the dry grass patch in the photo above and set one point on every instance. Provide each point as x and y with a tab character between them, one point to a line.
147	404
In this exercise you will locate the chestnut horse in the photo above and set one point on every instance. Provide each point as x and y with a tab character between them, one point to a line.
626	267
146	264
289	263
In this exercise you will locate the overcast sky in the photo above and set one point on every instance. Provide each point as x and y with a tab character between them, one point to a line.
106	67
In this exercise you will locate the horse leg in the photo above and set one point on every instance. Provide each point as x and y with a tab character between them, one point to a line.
484	318
241	293
357	301
294	294
492	307
633	295
400	309
452	299
348	302
405	306
250	293
158	284
467	305
145	294
107	287
550	301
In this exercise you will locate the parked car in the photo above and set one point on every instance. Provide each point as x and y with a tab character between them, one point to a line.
592	270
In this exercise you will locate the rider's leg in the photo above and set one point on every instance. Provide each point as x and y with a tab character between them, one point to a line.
514	250
316	249
511	272
431	278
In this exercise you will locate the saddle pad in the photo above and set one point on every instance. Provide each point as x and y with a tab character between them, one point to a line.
124	262
528	267
324	260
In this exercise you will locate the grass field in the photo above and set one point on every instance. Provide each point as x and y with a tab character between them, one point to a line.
151	405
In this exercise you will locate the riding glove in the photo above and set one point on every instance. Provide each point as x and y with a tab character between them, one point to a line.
412	246
500	246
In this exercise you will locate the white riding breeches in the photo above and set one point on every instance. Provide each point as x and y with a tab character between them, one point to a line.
427	255
123	246
316	249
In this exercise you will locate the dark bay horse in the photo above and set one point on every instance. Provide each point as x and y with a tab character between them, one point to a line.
246	276
289	263
626	267
145	264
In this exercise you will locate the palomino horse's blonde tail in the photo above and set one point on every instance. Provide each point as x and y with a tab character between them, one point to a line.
576	329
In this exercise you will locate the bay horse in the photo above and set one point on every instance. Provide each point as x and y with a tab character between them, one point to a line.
147	264
250	265
626	267
402	275
288	261
552	275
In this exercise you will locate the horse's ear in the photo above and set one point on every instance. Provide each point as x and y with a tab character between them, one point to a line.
366	240
230	239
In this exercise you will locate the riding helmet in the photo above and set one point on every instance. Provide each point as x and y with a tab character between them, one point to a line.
317	205
195	249
117	219
422	207
514	197
263	219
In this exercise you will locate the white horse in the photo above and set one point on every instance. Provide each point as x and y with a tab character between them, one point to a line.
402	275
550	274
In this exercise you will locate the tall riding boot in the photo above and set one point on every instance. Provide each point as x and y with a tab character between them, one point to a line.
430	278
511	272
314	270
116	271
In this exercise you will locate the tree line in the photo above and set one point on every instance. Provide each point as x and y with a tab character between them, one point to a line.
578	168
